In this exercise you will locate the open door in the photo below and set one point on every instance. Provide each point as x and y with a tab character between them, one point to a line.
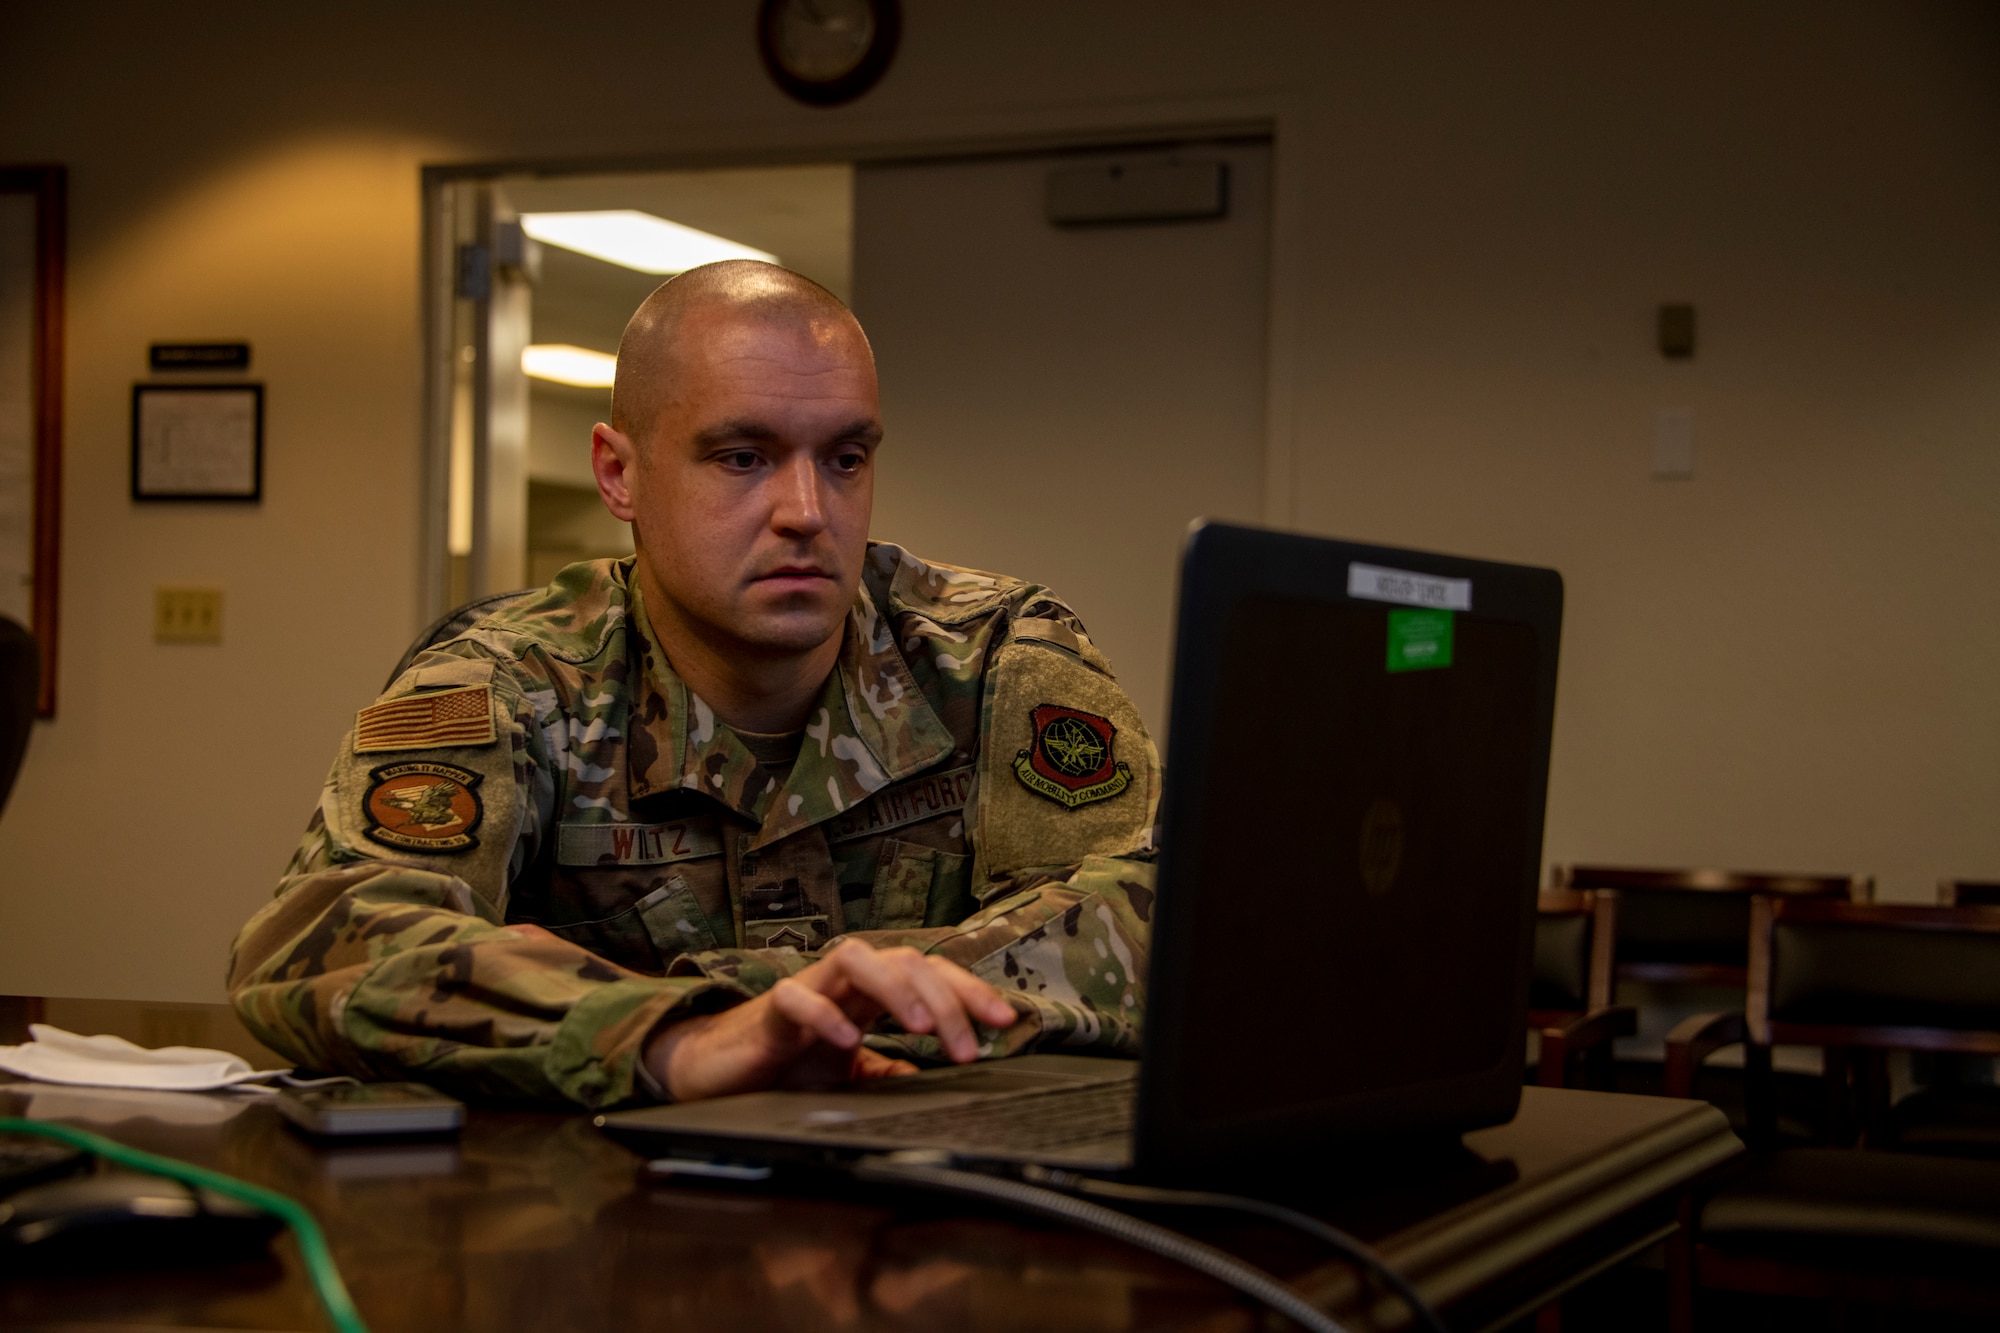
513	497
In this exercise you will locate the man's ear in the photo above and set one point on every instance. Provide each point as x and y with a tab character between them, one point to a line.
615	463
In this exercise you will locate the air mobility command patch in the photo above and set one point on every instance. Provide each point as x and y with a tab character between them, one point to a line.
1069	761
427	721
423	807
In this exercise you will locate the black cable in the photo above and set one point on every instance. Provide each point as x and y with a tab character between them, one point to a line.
1349	1247
920	1169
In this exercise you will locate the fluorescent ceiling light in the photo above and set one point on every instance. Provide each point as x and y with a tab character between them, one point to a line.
636	240
569	365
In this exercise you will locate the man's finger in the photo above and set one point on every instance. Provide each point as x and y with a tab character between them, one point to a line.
873	1064
954	1029
886	982
983	1001
807	1008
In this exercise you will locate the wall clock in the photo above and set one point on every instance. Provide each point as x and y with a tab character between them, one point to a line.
825	52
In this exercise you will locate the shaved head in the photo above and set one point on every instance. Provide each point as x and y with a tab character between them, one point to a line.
745	417
650	361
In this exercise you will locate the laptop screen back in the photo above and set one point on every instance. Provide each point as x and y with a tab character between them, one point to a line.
1386	810
1350	859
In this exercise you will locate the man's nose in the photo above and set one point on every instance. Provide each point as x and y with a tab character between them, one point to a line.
800	509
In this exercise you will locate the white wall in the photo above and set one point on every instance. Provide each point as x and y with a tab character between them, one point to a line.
1785	662
1060	403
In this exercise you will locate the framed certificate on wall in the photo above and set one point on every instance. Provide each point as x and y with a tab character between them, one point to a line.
198	442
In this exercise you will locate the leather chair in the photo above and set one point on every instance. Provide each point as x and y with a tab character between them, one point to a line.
1968	893
1965	1083
1868	1224
1692	926
1569	997
1681	947
20	682
454	623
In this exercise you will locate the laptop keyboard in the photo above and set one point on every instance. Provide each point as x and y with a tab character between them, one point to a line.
1014	1122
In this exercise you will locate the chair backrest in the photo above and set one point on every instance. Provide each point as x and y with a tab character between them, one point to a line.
1694	925
454	623
1573	934
20	680
1969	893
1882	975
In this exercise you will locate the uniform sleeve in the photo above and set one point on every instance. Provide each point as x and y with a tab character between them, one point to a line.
1062	858
383	954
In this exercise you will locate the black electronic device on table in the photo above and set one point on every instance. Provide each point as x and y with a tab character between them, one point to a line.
371	1110
26	1159
117	1219
1350	842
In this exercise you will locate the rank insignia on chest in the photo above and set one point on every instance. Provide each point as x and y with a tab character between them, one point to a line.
423	807
789	937
1070	759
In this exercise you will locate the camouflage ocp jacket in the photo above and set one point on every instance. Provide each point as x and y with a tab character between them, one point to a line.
972	782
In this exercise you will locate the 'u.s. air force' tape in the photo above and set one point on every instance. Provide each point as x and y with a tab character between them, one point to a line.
1401	585
634	844
909	802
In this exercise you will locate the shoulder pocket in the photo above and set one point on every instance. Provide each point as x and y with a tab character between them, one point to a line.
919	886
1055	634
649	934
1066	769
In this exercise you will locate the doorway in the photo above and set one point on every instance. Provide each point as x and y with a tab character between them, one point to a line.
1071	345
545	270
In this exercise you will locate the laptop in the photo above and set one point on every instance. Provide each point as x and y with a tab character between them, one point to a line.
1350	843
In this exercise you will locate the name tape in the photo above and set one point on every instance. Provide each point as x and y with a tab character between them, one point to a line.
1377	584
634	844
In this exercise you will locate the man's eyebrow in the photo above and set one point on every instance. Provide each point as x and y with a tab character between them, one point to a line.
861	430
742	428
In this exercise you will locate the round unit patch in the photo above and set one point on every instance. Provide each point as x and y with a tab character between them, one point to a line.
1070	758
423	807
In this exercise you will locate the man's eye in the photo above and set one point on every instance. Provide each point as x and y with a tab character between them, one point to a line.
850	462
742	460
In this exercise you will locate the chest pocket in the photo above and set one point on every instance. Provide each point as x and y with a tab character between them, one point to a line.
918	886
666	921
633	893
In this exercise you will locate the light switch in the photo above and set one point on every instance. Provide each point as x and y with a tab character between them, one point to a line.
187	615
1673	444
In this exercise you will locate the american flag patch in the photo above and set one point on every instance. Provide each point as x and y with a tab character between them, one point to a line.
426	721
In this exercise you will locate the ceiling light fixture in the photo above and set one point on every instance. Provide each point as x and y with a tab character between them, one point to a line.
636	240
567	364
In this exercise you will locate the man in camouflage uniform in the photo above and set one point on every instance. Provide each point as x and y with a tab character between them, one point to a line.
629	836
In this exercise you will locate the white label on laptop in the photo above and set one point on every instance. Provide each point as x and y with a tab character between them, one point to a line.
1400	585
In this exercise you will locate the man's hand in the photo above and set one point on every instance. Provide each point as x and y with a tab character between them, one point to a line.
807	1028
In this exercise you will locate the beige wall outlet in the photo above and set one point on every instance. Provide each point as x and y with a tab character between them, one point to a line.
187	615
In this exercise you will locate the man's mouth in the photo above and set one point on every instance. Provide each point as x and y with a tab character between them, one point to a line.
794	574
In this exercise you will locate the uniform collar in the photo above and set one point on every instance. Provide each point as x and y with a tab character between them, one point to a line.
870	726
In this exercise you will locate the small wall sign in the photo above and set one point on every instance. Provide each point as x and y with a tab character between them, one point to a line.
199	356
198	442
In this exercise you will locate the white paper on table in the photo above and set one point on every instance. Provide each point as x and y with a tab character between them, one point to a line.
56	1056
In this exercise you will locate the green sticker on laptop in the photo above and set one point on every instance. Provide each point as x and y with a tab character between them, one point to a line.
1419	640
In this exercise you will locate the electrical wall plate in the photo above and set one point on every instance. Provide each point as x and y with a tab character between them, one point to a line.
187	615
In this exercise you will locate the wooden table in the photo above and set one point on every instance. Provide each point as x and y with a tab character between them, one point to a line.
537	1222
